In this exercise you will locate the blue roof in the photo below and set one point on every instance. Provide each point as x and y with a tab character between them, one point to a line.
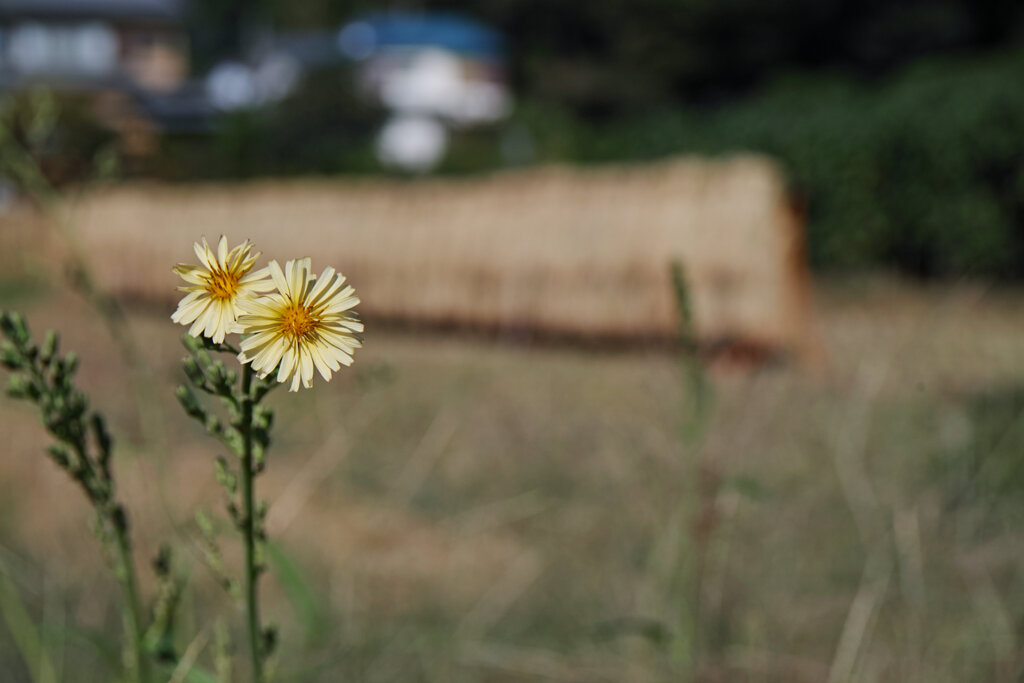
454	32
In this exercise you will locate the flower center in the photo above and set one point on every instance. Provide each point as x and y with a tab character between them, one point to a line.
222	285
297	322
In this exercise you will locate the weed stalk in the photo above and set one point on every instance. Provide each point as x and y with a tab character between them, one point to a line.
84	448
247	434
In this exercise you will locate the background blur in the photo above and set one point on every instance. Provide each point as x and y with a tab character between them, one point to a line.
539	468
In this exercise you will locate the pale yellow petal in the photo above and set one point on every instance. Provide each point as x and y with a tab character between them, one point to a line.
269	357
280	281
287	365
222	251
297	272
201	250
306	365
325	280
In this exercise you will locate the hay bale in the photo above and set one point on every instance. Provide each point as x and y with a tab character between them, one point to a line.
557	250
22	241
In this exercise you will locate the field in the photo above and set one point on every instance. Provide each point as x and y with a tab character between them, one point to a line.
483	510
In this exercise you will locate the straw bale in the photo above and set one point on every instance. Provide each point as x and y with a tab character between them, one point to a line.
580	252
22	240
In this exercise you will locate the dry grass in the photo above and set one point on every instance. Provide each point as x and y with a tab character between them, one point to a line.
472	512
467	511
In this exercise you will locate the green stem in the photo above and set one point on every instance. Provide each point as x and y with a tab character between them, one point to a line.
136	661
249	529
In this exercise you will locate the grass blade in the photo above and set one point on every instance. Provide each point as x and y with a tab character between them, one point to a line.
26	635
307	604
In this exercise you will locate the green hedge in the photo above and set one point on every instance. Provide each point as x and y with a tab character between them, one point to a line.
923	172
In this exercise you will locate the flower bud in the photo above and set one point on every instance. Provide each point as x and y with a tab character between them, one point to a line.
59	453
190	403
190	343
13	325
213	425
19	386
99	430
193	372
49	348
225	477
9	356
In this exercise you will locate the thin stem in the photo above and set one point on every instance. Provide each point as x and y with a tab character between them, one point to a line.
132	611
249	529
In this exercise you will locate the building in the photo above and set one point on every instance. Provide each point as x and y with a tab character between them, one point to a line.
125	44
434	72
129	57
443	65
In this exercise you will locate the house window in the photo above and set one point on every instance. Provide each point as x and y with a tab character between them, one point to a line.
62	50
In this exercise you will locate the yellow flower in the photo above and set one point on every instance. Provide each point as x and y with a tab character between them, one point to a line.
307	322
217	286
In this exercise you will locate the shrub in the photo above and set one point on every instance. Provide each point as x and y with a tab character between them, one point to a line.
921	173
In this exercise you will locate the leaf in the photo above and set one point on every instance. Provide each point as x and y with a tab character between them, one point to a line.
749	487
652	630
26	635
306	603
100	642
194	675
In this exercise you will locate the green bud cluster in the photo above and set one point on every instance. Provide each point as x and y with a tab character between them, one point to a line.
84	446
244	426
209	375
